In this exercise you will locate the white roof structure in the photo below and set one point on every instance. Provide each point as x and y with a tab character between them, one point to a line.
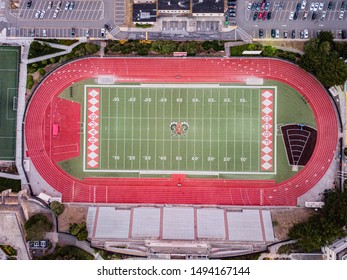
178	223
146	222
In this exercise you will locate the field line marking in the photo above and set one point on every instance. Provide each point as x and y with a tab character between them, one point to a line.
194	164
211	104
171	136
140	150
179	119
155	131
226	133
274	148
202	128
147	129
187	93
259	129
218	155
242	130
132	128
108	133
117	135
234	153
85	129
125	113
250	132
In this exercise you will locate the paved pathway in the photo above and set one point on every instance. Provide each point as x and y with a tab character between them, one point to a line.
9	176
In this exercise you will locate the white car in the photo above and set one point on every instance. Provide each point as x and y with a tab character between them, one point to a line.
72	5
44	33
55	14
86	33
303	4
277	33
42	14
316	5
291	15
50	3
37	14
312	6
249	6
306	33
67	5
324	13
341	14
321	5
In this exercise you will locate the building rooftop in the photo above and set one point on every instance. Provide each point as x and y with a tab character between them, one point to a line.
208	6
144	12
174	5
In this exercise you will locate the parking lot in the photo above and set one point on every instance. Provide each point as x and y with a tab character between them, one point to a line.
283	14
82	10
207	26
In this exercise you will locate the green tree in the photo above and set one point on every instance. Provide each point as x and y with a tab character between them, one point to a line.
30	82
327	36
164	47
269	51
92	48
57	208
42	71
37	226
79	230
82	235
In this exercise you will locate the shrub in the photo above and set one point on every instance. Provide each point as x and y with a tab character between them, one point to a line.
42	71
79	230
30	82
57	208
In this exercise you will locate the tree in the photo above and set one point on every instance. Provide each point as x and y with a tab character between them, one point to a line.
79	230
92	48
164	47
37	226
269	51
57	208
42	71
327	36
30	82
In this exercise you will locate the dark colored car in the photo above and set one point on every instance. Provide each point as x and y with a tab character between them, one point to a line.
343	34
254	6
108	27
267	5
293	34
73	31
232	10
258	6
298	7
273	33
330	5
301	34
343	5
29	4
314	15
285	34
269	15
295	17
255	15
261	33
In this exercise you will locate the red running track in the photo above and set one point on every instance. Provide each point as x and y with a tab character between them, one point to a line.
192	191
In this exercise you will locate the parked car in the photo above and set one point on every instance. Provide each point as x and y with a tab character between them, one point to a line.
343	34
293	34
32	32
260	14
73	32
306	33
291	15
303	4
44	33
249	6
86	32
264	15
50	4
341	14
108	27
267	6
312	6
298	7
277	33
301	34
42	14
273	33
324	13
316	6
67	5
29	4
102	32
261	33
314	15
343	5
296	15
330	5
269	15
37	14
72	5
285	34
321	5
304	17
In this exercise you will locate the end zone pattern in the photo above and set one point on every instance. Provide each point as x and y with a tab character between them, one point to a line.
267	129
93	128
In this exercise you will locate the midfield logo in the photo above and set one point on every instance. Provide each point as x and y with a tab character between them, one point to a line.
179	128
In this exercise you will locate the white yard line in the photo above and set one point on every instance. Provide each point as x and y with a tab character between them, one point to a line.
132	128
108	132
140	150
155	129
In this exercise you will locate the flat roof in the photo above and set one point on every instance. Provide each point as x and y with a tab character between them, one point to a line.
174	5
211	223
146	222
178	223
144	12
112	223
208	6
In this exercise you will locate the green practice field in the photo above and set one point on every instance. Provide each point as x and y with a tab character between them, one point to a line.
9	57
137	129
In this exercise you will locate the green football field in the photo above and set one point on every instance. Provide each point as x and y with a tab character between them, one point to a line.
138	129
9	57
